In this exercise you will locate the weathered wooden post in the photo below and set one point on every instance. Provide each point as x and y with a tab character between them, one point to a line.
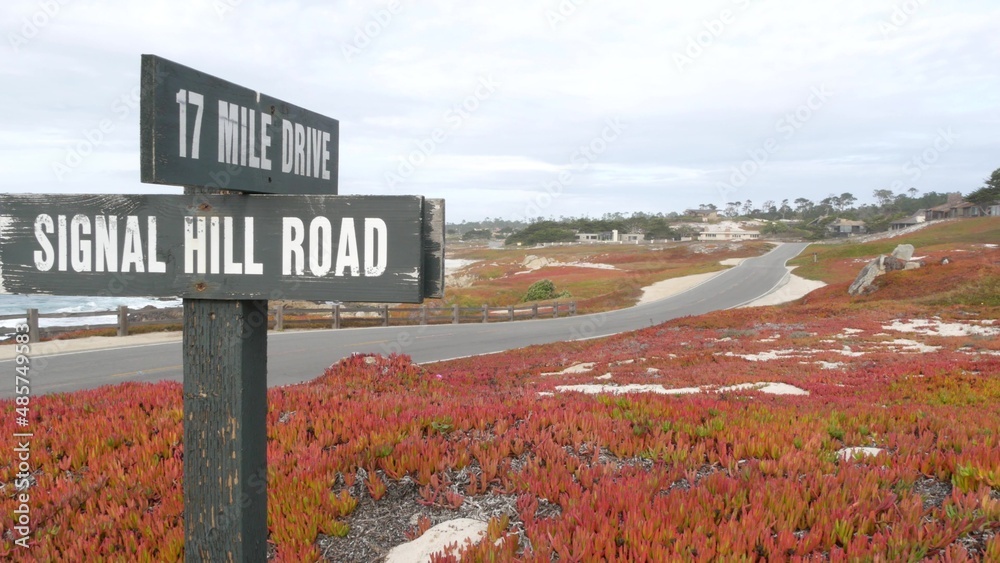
33	332
279	317
122	320
336	315
454	314
534	310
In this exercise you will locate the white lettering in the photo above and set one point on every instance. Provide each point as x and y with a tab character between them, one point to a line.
287	131
300	150
230	267
265	141
326	155
61	238
106	243
80	249
320	243
155	266
251	267
229	120
213	240
293	233
46	257
132	253
375	261
195	244
347	248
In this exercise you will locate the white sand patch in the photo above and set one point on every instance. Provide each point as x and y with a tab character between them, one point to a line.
793	288
732	261
532	263
673	286
769	355
847	454
763	387
769	388
849	332
576	368
604	377
830	365
460	531
622	389
905	345
452	265
939	328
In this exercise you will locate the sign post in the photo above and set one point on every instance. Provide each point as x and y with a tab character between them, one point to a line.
260	219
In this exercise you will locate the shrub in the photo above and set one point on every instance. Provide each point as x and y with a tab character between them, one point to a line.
543	289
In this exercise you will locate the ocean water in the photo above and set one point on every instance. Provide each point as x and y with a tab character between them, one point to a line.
19	305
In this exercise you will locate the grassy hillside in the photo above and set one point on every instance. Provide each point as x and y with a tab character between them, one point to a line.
841	261
376	450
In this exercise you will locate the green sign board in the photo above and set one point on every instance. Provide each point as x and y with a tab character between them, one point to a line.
345	248
202	131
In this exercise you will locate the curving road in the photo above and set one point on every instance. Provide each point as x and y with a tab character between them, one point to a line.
294	357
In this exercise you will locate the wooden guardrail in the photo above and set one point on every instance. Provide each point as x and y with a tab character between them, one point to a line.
282	318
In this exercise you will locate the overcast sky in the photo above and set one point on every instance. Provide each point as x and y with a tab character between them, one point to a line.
525	108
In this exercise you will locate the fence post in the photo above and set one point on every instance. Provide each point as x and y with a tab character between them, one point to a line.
122	320
486	312
572	308
454	314
423	314
510	312
336	316
33	336
534	310
279	317
555	310
385	315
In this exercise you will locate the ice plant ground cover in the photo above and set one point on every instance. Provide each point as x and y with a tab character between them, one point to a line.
377	450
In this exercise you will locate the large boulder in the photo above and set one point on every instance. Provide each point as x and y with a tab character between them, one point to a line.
866	277
900	259
903	252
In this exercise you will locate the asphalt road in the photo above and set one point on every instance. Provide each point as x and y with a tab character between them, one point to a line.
294	357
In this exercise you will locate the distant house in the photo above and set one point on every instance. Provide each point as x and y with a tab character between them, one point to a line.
595	237
957	208
727	231
846	227
919	217
610	236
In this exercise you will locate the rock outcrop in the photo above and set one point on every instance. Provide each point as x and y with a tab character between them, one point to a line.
900	259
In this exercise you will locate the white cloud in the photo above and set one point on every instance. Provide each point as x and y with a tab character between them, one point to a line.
559	80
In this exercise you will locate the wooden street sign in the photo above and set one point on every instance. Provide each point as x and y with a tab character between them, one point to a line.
346	248
199	130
